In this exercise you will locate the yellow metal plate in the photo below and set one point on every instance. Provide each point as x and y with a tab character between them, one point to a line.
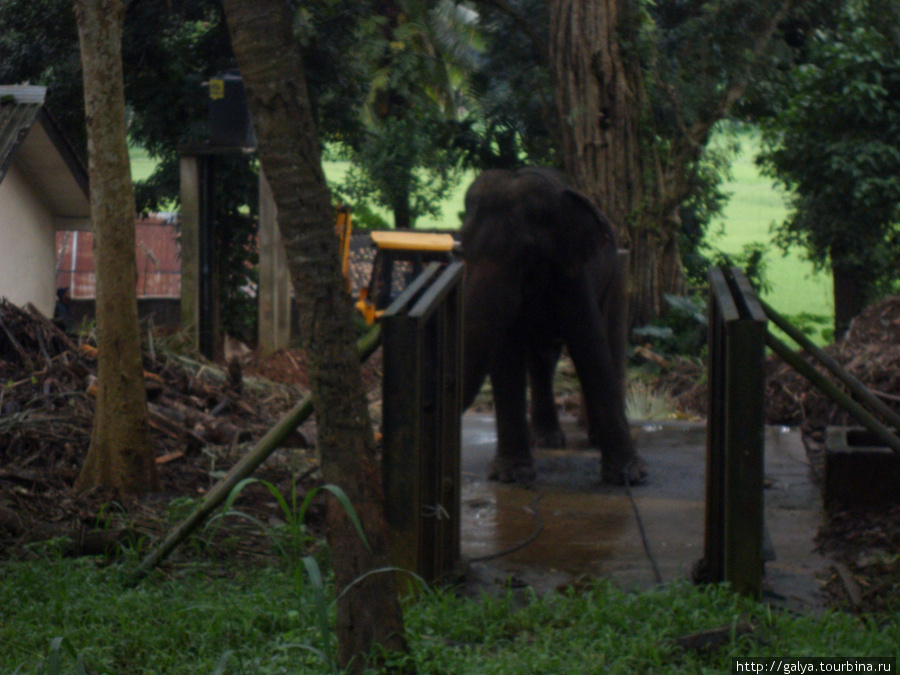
413	241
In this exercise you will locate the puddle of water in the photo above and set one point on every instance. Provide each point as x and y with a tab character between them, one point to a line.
571	532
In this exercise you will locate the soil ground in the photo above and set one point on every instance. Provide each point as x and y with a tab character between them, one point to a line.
207	416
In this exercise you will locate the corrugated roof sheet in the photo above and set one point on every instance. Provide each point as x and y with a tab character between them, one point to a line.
19	108
156	253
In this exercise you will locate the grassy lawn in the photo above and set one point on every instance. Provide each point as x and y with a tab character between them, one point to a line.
206	618
141	164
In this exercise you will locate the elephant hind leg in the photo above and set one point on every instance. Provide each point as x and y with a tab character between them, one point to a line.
603	392
545	428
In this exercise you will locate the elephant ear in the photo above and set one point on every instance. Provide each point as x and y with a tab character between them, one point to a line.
583	231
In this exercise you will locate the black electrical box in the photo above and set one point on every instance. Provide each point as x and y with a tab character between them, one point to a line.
230	124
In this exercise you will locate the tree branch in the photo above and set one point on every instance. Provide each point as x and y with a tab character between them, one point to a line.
693	139
735	91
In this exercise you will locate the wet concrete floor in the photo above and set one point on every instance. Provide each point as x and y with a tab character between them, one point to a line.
570	525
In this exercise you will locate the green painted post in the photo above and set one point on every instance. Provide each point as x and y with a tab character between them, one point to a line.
743	518
421	425
735	437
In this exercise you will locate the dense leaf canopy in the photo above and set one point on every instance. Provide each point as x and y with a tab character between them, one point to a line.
835	145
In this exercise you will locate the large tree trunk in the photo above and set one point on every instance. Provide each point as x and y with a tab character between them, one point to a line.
601	104
368	610
120	455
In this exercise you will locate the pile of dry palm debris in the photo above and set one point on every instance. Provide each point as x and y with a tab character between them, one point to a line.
870	351
202	419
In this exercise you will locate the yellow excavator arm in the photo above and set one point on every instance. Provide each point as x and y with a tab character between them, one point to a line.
411	249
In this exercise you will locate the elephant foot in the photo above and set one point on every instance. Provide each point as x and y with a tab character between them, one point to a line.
512	471
633	472
554	439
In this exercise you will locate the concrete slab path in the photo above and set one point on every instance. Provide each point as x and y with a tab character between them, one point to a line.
570	525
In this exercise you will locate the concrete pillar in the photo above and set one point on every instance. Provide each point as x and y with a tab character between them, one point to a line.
274	292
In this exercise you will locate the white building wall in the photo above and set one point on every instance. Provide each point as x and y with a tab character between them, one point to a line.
27	255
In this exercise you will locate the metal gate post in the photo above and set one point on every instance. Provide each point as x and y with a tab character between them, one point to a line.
735	443
421	422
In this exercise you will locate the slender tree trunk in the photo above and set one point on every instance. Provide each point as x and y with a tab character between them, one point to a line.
369	610
601	103
402	212
120	455
850	287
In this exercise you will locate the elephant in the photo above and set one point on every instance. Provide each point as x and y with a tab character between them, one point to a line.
542	272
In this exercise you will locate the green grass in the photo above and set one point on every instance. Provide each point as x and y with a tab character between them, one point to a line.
183	624
258	621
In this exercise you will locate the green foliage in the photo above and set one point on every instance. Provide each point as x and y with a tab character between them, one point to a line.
681	330
752	261
295	547
604	630
645	401
299	539
707	201
53	664
818	327
411	63
835	145
39	45
181	624
398	167
684	328
510	112
364	217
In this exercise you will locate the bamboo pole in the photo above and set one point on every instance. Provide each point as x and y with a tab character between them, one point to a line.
244	468
834	367
832	391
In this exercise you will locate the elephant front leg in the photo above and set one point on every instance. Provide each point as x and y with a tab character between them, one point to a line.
514	462
604	403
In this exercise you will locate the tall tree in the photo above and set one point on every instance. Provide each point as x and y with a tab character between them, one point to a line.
120	455
368	607
835	145
637	94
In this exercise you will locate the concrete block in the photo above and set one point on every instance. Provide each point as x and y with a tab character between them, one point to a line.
859	470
